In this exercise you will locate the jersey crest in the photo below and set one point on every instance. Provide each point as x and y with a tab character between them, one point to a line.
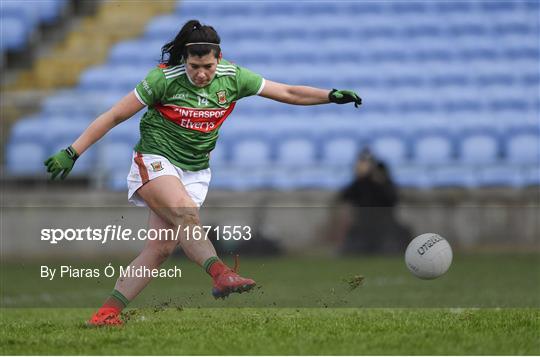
222	97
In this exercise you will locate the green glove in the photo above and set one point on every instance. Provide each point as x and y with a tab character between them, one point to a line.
344	96
61	161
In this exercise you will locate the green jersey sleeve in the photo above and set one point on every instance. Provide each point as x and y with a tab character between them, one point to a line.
249	83
150	90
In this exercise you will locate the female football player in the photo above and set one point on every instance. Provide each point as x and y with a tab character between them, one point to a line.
188	97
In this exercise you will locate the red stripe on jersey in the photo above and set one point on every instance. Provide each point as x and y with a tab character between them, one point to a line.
203	120
143	171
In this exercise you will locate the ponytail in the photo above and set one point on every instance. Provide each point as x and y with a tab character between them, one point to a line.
193	39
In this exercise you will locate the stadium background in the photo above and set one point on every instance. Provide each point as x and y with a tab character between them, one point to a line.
451	103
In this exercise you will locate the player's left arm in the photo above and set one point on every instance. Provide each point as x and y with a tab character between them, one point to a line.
304	95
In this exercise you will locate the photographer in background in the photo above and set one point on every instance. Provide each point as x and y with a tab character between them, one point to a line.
366	222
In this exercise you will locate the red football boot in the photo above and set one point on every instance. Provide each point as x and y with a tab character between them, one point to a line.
230	282
105	316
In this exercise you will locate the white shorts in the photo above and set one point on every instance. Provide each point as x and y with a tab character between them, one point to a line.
146	167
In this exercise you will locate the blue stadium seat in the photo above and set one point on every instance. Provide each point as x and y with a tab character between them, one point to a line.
220	156
498	6
104	100
114	163
19	20
500	175
479	146
29	129
259	178
63	102
453	176
447	7
390	147
523	146
129	53
433	148
530	79
339	149
28	14
286	178
242	161
525	54
229	178
81	104
411	176
63	130
511	105
14	33
125	77
331	179
51	136
531	176
25	158
232	9
164	28
296	150
115	152
416	8
117	181
366	9
126	132
250	151
50	10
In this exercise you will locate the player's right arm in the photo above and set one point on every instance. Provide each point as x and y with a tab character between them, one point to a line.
63	161
121	111
146	93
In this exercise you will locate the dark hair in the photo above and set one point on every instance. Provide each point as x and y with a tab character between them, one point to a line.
176	51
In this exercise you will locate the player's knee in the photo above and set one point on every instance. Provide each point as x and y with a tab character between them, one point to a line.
185	216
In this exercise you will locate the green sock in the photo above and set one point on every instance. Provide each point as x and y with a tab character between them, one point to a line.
208	263
119	297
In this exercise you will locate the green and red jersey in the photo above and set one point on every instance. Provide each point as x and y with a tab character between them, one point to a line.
183	120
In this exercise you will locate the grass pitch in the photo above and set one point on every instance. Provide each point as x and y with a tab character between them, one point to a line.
486	304
267	331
